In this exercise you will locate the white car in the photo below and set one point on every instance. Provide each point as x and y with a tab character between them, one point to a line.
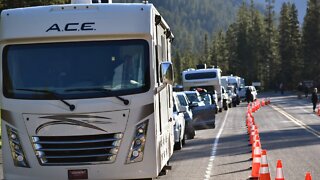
242	93
227	100
188	115
179	124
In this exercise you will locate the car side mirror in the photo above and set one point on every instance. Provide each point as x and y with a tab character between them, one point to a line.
183	109
194	104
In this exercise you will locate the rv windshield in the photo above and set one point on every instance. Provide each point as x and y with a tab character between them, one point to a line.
121	67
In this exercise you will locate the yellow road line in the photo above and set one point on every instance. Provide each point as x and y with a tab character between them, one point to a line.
297	121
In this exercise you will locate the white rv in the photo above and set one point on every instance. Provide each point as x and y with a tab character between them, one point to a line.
209	79
86	91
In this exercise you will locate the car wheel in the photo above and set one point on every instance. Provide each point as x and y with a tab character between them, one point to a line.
187	136
184	140
229	105
178	145
193	133
234	104
225	107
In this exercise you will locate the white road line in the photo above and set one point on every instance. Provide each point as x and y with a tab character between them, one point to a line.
297	121
214	149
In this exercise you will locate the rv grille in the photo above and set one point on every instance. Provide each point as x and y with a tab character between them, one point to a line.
71	150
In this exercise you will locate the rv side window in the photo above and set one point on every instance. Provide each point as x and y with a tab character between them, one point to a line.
201	75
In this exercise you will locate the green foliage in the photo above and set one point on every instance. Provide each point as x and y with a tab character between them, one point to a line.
240	37
311	41
7	4
290	46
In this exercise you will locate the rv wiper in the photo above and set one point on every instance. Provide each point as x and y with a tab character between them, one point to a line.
71	106
106	91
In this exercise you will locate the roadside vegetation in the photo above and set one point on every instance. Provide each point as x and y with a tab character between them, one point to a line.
241	37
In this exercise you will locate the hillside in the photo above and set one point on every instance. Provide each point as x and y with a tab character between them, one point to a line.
190	20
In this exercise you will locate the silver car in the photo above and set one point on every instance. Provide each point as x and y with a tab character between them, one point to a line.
203	115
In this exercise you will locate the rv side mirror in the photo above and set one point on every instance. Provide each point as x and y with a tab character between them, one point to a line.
166	72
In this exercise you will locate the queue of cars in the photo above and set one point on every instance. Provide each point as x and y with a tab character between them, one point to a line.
191	111
196	109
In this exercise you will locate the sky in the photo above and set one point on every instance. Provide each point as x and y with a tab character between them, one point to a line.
300	4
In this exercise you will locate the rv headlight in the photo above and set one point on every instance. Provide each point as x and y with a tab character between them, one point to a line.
138	143
17	152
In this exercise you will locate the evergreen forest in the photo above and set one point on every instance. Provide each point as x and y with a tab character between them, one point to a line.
242	38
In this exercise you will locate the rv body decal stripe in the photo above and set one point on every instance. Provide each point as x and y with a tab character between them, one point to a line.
66	119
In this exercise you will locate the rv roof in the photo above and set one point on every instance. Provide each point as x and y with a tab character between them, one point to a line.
202	70
77	20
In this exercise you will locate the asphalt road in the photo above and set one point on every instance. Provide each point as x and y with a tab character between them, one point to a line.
289	131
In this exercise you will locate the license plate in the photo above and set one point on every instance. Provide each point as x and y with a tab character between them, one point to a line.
78	174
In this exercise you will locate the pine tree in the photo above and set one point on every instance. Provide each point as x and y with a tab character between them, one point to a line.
311	41
218	52
295	46
26	3
271	52
284	40
205	49
243	50
177	68
231	50
256	45
290	38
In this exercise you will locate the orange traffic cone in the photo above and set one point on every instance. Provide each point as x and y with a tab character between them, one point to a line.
318	112
256	162
249	125
279	172
264	167
254	138
308	176
254	107
249	122
252	134
252	130
259	103
255	145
